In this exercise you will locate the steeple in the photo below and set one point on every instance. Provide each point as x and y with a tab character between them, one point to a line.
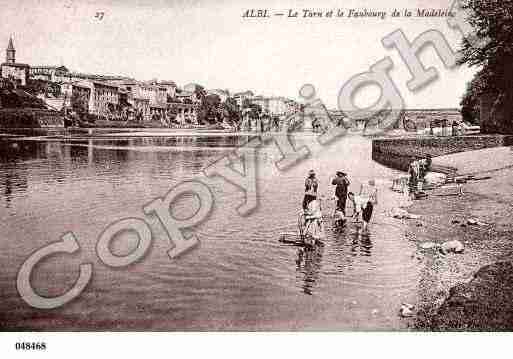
10	57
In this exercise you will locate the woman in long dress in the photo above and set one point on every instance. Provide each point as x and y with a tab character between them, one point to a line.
365	202
313	229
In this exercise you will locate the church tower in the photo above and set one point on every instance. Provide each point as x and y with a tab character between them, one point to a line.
10	57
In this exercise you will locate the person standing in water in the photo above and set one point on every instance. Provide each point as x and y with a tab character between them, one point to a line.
414	170
370	193
342	184
365	202
311	185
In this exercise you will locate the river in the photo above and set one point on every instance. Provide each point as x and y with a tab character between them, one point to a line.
239	278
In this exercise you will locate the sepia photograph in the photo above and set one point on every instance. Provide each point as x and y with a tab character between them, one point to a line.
244	166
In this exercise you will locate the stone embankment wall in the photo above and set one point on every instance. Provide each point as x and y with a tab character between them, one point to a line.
399	152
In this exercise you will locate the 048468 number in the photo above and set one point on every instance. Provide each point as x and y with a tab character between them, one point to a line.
30	346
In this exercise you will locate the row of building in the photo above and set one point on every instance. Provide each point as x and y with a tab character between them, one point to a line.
123	98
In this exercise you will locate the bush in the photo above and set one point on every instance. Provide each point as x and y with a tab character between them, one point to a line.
28	118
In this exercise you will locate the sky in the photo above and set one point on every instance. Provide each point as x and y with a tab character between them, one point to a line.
210	43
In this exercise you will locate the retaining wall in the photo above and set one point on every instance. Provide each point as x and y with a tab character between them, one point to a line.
399	152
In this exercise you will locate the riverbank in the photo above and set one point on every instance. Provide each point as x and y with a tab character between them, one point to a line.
134	132
400	152
472	290
80	132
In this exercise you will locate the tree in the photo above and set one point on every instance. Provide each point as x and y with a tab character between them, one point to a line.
209	111
199	91
80	104
231	112
37	87
493	29
470	102
492	49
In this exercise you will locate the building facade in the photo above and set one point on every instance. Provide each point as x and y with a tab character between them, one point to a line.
141	108
77	97
61	76
103	97
276	106
48	73
12	70
188	97
151	93
166	89
223	94
240	97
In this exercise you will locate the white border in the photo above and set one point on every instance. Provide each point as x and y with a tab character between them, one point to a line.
258	345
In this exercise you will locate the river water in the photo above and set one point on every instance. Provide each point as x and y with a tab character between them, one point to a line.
239	278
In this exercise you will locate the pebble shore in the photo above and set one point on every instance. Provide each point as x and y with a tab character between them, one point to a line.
472	290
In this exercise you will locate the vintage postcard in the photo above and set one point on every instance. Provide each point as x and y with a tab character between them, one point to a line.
206	166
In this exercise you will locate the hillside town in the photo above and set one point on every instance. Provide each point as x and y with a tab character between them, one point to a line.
54	96
93	98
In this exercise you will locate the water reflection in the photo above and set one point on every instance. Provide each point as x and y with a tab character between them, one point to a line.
361	243
18	151
342	246
13	177
309	264
12	181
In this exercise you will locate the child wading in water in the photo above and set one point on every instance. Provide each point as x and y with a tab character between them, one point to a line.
364	202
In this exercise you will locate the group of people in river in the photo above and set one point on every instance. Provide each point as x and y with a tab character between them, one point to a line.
363	202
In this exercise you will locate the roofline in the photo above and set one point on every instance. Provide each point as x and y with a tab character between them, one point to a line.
104	84
48	66
16	64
